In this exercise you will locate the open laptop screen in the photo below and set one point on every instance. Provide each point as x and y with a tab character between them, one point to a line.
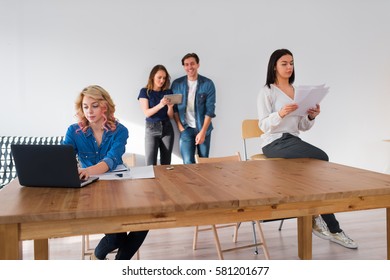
47	166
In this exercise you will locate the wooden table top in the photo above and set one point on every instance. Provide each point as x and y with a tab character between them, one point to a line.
194	187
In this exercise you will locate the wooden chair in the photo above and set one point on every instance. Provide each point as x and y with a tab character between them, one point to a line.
86	249
250	129
214	228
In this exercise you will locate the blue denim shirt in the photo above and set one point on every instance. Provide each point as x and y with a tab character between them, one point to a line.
89	153
204	100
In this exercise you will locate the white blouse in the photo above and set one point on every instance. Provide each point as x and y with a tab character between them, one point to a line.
269	102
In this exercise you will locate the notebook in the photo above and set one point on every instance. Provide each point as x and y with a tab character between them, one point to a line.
47	166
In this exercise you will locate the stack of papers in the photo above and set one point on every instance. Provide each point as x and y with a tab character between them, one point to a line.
308	97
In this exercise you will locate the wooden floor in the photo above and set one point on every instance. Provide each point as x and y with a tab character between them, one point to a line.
368	228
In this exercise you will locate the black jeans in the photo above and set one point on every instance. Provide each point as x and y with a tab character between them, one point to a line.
290	146
159	136
126	243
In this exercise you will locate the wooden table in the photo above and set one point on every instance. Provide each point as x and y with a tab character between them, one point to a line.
197	194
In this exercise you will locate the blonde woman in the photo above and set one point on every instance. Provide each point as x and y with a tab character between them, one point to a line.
98	138
99	141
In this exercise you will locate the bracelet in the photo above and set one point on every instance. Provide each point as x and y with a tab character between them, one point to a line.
310	118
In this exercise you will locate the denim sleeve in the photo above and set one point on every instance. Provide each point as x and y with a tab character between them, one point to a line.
175	88
117	148
69	138
211	99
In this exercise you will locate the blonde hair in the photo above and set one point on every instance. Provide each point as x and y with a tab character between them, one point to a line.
105	102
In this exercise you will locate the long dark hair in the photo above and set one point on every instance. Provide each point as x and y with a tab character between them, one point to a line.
271	72
150	84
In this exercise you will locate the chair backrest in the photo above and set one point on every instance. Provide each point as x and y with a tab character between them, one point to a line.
250	129
7	166
235	157
129	159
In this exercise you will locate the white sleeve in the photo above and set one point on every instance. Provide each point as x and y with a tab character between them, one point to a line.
265	104
305	123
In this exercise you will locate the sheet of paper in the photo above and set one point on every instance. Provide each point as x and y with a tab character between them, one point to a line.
307	97
120	168
136	172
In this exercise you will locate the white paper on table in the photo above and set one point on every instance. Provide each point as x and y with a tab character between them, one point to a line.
308	97
120	168
136	172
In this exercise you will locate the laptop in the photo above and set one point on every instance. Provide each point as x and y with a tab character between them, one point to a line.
47	166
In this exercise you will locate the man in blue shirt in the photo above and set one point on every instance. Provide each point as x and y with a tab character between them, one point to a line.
193	116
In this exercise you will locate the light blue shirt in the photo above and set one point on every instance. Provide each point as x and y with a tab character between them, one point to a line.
111	149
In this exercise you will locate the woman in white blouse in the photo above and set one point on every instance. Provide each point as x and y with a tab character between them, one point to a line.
275	103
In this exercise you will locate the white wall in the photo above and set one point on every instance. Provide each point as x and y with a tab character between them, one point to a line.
50	50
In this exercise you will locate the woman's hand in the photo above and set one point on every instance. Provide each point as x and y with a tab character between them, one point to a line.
314	112
165	101
170	105
83	174
287	109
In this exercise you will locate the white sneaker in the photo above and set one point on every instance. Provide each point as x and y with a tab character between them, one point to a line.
320	228
342	239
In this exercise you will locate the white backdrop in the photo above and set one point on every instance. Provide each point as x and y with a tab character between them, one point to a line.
50	50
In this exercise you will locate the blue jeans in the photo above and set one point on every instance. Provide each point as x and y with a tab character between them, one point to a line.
188	147
290	146
127	244
159	136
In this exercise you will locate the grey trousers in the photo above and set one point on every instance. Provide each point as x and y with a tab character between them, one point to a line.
290	146
159	136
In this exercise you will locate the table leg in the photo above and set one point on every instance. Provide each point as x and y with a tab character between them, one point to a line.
41	249
388	231
305	237
11	246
